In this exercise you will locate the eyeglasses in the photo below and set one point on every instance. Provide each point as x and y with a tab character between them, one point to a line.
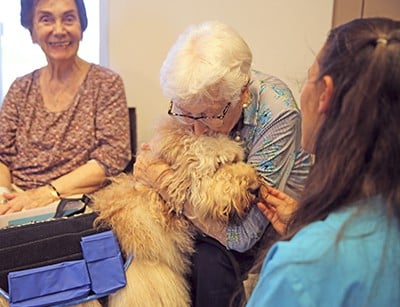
211	121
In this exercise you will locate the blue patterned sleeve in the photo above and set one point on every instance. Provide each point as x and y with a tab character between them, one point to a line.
241	237
272	136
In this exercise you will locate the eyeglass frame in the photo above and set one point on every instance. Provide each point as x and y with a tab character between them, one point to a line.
203	117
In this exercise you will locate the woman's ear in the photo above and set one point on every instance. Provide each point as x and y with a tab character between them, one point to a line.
326	95
33	36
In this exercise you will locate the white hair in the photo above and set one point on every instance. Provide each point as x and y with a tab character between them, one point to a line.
208	62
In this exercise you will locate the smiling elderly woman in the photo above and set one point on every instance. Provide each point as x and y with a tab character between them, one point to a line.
64	127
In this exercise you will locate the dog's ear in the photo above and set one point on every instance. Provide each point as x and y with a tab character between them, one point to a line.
211	152
171	140
229	192
229	151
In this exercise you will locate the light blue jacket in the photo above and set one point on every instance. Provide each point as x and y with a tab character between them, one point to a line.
349	259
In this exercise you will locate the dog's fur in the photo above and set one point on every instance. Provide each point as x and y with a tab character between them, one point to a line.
210	175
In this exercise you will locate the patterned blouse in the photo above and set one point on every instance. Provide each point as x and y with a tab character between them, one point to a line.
271	135
39	146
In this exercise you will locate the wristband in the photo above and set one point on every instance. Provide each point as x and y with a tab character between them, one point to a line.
54	191
4	190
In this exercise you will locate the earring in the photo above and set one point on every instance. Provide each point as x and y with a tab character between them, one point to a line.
248	100
237	136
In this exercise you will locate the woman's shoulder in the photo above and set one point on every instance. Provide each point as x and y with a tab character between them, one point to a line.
25	81
273	91
268	81
28	77
103	72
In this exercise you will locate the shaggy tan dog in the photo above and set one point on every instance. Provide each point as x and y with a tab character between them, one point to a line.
210	177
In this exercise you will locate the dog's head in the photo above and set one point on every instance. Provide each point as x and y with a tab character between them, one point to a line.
211	168
177	145
227	195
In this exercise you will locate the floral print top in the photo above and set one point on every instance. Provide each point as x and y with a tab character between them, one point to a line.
39	146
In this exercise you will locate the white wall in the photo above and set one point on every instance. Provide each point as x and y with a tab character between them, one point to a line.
283	34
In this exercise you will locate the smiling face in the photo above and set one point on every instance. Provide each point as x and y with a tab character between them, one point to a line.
56	29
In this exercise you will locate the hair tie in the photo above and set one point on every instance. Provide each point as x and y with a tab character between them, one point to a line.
381	40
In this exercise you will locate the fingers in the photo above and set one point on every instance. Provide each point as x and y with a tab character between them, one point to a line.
271	214
140	165
264	191
9	208
277	193
270	199
4	208
145	146
266	210
281	196
10	196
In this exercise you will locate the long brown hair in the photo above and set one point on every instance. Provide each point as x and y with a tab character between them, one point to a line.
357	148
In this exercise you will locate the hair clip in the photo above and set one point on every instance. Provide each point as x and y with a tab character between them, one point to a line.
381	40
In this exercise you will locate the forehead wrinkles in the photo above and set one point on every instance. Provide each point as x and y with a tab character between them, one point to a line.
63	7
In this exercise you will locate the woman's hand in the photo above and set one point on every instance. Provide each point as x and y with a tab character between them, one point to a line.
17	201
277	207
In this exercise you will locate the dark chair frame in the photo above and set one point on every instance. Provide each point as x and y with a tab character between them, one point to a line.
133	138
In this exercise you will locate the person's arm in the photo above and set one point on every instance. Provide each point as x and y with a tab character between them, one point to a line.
241	237
5	177
85	179
8	120
277	207
112	127
5	182
275	144
274	152
271	153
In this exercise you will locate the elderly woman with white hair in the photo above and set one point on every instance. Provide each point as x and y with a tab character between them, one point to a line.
211	87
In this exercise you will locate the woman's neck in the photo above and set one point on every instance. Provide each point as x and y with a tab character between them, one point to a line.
60	83
64	71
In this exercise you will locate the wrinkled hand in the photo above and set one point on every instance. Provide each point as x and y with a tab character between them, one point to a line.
17	201
150	170
277	207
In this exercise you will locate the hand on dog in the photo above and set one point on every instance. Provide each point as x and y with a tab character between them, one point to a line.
277	207
150	170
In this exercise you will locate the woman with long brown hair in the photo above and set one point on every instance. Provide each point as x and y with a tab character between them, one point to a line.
342	240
